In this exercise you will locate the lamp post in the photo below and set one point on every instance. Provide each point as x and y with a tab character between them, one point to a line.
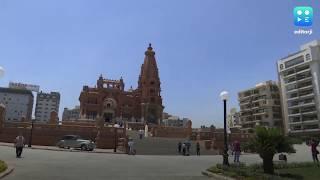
1	72
30	138
115	139
225	96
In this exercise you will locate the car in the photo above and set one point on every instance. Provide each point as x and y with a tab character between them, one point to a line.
75	141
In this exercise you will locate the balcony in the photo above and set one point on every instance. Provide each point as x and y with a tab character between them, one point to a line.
244	102
308	102
242	97
259	113
303	79
294	120
311	121
303	110
302	69
290	80
305	92
293	114
304	84
292	96
304	130
292	90
289	73
313	117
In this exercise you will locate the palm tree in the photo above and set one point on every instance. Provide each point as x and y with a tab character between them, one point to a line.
267	142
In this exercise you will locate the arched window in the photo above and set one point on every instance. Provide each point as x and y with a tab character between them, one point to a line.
152	91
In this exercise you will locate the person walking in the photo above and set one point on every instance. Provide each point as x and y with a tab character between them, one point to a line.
198	149
314	151
179	147
130	144
237	151
188	146
19	144
140	134
183	149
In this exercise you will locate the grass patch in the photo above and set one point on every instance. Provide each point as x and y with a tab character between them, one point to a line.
296	140
296	171
302	173
3	166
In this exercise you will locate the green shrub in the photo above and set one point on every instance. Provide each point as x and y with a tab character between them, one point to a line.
293	165
3	166
255	171
215	170
295	140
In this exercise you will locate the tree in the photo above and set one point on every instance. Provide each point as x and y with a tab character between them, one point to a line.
267	142
212	127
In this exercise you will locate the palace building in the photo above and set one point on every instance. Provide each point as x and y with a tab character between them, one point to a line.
109	102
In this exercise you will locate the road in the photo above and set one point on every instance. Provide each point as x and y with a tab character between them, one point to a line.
55	165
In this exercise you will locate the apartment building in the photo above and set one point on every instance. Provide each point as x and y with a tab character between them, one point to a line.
46	103
300	96
260	105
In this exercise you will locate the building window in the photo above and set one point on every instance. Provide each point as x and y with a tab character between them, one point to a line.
295	61
308	57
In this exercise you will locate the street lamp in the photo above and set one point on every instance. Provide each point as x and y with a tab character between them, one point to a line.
30	138
1	72
225	96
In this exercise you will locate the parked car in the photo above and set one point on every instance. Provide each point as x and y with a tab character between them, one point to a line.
75	141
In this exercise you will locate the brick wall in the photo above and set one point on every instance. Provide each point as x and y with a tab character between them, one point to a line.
171	132
49	135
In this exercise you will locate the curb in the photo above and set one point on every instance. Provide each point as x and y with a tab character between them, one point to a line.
48	149
8	171
73	150
216	176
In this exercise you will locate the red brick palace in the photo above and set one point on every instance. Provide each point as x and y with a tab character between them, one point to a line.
109	102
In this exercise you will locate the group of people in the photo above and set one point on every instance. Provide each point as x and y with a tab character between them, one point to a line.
184	148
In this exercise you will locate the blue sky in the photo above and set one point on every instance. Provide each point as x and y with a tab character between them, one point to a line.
202	47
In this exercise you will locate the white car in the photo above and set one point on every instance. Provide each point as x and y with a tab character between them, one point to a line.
74	141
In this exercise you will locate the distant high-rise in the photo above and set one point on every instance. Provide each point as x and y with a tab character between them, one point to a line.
233	119
71	114
299	80
260	106
18	104
46	103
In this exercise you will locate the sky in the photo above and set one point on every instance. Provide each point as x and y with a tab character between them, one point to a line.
202	47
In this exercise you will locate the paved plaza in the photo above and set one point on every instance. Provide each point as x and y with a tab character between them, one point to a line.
43	164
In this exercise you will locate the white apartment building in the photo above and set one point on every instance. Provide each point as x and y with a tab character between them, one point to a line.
174	121
18	104
300	95
233	119
46	103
